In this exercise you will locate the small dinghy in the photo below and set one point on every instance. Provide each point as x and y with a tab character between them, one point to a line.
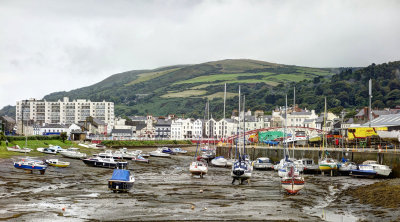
121	181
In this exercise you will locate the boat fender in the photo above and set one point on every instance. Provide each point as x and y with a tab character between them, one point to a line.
19	164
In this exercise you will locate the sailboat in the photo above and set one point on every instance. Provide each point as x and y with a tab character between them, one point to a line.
242	167
292	181
325	163
198	167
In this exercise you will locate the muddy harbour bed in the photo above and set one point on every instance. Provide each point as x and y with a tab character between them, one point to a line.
165	190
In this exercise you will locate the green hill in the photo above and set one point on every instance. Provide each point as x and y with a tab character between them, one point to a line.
184	89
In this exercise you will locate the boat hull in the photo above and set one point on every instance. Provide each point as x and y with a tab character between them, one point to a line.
105	164
41	169
120	186
292	186
327	167
22	150
363	173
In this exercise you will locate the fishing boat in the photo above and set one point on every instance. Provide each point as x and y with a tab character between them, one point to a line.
381	170
57	163
121	181
292	182
219	161
363	171
263	163
73	153
46	150
159	153
16	148
31	165
179	150
105	162
242	168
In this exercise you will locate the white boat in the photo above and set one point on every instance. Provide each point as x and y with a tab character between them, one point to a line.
159	153
46	150
57	163
83	145
56	148
381	170
96	146
16	148
345	167
263	163
198	168
73	153
179	150
105	154
219	161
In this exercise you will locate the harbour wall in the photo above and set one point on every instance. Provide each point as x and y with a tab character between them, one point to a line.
390	158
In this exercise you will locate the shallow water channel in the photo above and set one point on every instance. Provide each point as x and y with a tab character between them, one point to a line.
165	190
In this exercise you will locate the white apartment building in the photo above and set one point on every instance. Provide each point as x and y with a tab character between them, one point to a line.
226	128
198	129
64	112
182	129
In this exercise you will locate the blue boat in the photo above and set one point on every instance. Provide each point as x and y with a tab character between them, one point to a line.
121	181
31	165
363	171
271	142
168	150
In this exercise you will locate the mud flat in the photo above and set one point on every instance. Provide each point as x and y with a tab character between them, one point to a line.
164	190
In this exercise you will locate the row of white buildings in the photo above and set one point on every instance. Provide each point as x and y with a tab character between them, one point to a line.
52	117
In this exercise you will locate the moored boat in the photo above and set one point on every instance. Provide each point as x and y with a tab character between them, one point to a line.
309	166
31	165
179	150
105	162
198	168
16	148
363	171
46	150
159	153
121	181
292	182
57	163
263	163
219	161
73	153
381	170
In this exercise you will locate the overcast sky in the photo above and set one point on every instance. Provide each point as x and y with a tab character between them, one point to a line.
57	45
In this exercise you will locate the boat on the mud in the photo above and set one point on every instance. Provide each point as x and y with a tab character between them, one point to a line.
159	153
56	148
73	153
309	166
31	165
363	171
179	150
168	150
381	170
327	164
105	162
198	167
57	163
106	154
16	148
121	181
263	163
242	169
292	182
220	161
345	167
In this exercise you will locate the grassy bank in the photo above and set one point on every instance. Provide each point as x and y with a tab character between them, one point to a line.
130	143
33	144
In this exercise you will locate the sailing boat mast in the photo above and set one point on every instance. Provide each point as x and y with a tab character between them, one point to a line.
370	97
323	128
284	132
244	126
238	125
223	127
294	99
